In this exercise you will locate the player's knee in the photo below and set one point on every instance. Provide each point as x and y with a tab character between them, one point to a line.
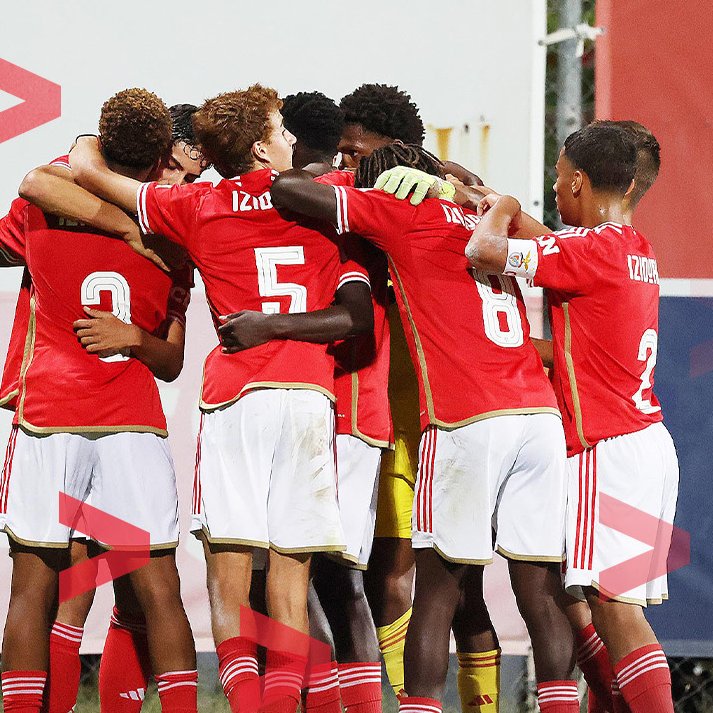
610	615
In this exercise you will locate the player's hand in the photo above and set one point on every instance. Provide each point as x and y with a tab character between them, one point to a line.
487	202
245	329
135	240
104	334
402	180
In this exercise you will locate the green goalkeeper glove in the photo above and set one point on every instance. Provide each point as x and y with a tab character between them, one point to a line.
403	180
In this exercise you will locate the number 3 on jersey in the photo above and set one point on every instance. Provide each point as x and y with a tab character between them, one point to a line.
500	304
267	260
648	347
114	283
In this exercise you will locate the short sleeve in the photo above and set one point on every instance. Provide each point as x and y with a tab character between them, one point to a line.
378	216
353	261
12	234
167	210
565	260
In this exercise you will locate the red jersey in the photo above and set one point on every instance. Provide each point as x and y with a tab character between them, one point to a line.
64	388
12	251
467	332
250	258
603	290
361	377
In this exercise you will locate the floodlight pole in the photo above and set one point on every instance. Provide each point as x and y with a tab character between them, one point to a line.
569	73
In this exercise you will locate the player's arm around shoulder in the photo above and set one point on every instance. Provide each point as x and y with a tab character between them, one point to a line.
297	190
487	248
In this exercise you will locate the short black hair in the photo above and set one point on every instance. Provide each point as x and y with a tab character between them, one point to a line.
648	156
182	120
314	119
392	155
385	110
607	155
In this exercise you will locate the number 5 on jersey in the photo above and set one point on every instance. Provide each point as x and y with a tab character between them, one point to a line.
267	260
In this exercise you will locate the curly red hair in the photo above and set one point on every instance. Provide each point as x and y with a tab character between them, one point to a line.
228	125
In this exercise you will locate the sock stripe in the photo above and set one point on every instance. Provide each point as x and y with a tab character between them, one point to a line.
623	682
395	637
584	657
638	662
418	708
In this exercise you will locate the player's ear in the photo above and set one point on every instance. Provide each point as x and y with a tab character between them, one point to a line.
630	189
577	183
260	152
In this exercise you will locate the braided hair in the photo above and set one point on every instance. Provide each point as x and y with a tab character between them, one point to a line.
392	155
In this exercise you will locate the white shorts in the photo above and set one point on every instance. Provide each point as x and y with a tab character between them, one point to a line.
127	475
622	501
357	486
265	473
504	474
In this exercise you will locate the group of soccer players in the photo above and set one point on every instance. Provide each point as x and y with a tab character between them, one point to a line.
375	419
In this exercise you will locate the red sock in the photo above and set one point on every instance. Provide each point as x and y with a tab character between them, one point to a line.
645	680
360	686
284	674
414	704
237	669
558	697
22	691
125	667
593	659
65	667
618	702
178	691
321	694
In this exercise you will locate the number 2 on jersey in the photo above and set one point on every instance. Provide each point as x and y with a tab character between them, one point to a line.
267	260
500	303
97	282
648	347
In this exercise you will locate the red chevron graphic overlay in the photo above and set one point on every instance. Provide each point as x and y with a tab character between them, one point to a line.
129	547
42	100
274	636
652	531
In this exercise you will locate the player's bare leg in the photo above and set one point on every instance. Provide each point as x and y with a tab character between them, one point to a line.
477	647
622	626
25	646
389	579
229	575
438	590
641	671
592	656
65	639
157	589
321	686
540	600
33	597
341	591
287	587
170	641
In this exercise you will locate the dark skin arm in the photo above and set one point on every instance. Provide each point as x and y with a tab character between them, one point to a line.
465	176
545	350
352	315
296	190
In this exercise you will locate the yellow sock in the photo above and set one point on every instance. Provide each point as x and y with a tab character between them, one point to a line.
479	681
392	639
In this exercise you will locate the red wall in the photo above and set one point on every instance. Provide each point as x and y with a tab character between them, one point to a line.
655	65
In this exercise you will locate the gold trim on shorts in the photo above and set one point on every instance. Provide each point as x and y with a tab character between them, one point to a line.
528	558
